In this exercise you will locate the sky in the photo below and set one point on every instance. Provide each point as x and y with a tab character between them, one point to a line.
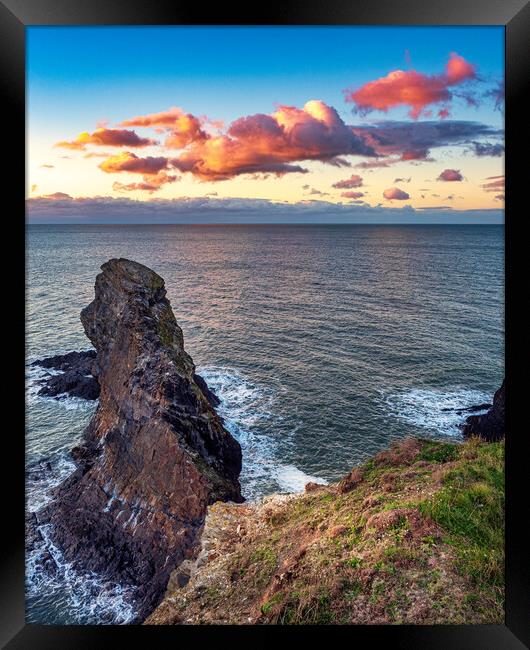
280	124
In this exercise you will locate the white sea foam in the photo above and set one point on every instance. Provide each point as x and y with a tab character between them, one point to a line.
291	479
246	407
83	596
436	409
42	477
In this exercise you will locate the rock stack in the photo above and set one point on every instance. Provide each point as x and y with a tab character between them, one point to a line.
155	453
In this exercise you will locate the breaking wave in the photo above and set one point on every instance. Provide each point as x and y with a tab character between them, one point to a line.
249	414
436	410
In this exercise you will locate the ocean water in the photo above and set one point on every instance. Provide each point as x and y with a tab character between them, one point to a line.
323	342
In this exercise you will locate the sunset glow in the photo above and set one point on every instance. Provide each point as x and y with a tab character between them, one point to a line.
341	118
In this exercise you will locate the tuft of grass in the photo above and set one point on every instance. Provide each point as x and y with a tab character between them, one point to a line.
438	452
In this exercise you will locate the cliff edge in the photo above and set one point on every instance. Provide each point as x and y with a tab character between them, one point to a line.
413	536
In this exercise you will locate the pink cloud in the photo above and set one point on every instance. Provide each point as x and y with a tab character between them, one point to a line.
352	195
495	184
375	164
349	183
149	184
395	194
108	138
450	175
413	89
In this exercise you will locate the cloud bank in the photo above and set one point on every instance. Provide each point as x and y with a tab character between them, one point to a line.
62	208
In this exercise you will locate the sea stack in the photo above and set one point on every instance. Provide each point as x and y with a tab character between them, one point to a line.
154	455
489	426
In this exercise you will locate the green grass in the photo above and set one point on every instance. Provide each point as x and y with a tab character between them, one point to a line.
439	559
438	452
470	509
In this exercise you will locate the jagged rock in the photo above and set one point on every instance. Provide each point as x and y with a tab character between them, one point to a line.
76	377
489	426
81	361
206	391
71	384
155	452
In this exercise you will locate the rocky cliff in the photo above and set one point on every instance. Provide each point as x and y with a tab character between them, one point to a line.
155	453
490	425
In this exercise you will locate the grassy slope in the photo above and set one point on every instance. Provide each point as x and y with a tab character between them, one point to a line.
416	535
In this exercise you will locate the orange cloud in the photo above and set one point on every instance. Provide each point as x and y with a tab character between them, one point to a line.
97	154
56	196
149	184
270	143
108	138
184	128
451	175
415	154
130	162
413	89
395	194
349	183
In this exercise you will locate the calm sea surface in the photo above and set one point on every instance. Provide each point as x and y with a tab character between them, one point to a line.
324	343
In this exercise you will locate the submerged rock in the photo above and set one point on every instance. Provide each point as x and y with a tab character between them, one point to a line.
75	378
155	452
489	426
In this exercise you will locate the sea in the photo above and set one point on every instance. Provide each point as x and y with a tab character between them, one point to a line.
324	343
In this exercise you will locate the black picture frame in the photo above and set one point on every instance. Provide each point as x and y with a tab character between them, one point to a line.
15	15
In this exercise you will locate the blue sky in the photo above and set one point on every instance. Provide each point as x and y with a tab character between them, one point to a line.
231	71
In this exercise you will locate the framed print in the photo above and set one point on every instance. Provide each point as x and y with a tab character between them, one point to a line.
269	264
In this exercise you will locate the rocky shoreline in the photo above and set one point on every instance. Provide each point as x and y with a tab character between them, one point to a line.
156	456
